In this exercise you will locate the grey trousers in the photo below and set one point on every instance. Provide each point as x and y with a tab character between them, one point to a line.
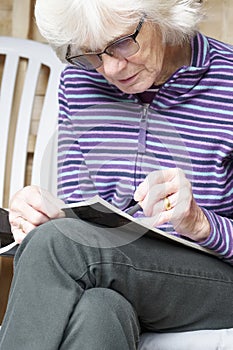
68	295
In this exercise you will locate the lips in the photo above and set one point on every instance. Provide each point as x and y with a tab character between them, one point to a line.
128	80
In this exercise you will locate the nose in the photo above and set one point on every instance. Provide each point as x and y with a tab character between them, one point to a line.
113	65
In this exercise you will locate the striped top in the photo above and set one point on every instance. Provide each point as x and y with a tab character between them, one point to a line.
109	141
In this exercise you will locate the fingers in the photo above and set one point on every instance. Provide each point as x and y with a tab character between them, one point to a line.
20	228
160	185
22	209
31	207
36	205
162	179
50	205
165	195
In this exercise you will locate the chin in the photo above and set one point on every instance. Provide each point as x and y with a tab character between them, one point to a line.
135	89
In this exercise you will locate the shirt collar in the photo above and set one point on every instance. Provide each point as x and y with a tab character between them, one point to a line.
187	77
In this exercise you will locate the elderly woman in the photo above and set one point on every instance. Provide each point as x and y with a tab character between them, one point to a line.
145	116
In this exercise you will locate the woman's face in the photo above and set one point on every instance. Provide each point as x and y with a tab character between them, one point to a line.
139	72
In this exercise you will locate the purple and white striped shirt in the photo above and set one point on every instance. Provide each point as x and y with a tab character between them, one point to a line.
109	141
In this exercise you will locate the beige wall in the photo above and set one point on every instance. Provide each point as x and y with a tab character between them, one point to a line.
16	19
219	23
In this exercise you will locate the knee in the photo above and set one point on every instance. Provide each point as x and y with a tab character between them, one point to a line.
103	299
109	306
46	237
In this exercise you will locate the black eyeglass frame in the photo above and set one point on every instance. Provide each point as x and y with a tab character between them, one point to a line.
105	51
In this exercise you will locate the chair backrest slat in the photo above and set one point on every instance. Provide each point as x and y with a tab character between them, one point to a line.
6	99
23	127
46	152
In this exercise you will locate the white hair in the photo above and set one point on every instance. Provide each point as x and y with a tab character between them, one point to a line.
97	22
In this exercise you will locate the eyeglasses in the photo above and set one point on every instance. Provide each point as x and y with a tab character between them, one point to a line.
123	47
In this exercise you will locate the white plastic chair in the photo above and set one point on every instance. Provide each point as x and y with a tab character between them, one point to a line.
44	163
36	54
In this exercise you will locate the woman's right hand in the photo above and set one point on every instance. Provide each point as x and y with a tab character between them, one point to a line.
31	207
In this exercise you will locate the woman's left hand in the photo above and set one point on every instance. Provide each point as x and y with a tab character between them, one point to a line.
166	196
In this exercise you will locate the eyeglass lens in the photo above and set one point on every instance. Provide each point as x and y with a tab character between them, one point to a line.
88	61
124	48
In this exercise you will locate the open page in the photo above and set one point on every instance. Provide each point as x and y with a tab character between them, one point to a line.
98	211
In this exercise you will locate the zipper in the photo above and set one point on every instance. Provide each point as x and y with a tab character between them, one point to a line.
142	130
141	143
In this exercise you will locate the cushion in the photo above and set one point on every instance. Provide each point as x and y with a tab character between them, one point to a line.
196	340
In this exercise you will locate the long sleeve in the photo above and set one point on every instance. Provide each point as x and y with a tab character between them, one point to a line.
221	237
